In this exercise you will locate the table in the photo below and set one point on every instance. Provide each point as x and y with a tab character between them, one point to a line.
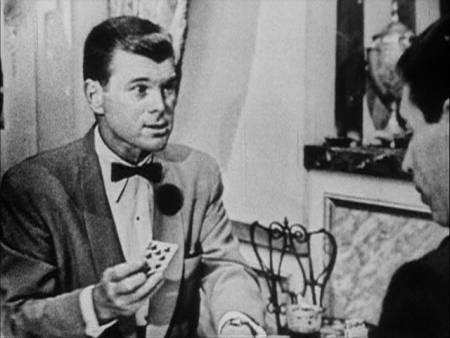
331	327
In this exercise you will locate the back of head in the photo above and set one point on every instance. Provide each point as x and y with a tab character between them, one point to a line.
128	33
425	67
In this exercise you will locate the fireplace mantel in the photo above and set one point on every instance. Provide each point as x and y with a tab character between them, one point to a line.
370	161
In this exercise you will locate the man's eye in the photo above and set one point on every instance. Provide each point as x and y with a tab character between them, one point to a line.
140	90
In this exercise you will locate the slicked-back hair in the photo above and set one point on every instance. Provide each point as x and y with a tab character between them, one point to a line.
127	33
425	68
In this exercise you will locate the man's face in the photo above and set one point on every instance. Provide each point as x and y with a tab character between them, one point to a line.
427	158
410	112
138	104
414	120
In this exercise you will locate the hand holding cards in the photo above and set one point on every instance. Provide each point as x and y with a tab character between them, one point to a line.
158	255
123	290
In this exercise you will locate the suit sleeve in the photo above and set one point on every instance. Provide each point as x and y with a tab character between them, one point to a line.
411	307
228	285
31	296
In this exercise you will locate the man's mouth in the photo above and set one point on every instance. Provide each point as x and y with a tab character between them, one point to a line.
158	129
159	125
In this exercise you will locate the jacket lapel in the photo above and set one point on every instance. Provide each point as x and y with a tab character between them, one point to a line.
167	229
101	230
103	238
105	245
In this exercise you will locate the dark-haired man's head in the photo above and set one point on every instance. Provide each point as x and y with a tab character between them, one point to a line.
131	84
424	68
127	33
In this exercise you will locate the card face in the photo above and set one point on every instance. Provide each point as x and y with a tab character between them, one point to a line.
158	255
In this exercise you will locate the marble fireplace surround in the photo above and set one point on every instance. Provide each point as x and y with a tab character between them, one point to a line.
379	224
373	241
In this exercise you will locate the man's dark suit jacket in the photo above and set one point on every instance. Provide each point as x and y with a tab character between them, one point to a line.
58	236
416	304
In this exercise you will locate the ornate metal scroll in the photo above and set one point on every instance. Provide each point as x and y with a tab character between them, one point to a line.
314	282
276	236
281	239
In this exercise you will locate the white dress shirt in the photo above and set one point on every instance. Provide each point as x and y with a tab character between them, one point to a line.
131	203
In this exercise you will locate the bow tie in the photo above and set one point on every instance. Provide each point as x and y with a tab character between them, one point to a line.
151	171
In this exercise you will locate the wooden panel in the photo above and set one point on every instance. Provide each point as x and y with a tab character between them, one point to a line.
55	115
19	62
350	74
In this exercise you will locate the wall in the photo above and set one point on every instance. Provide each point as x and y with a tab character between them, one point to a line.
253	94
18	60
42	55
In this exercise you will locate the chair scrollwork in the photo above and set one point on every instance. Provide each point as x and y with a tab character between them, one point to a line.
281	239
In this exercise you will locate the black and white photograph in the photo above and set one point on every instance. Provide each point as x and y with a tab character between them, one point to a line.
224	169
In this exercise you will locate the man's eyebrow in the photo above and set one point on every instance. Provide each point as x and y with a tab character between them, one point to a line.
173	77
140	79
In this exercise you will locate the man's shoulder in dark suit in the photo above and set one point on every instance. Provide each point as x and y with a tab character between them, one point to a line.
56	164
417	300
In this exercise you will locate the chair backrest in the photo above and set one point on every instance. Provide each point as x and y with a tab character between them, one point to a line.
282	240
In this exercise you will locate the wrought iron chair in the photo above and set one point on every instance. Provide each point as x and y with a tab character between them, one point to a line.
280	240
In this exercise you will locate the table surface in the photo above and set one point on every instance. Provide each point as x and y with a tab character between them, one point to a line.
333	327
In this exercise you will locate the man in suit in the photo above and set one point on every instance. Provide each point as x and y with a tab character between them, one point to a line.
416	304
76	220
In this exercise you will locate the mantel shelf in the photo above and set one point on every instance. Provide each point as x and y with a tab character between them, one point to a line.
371	161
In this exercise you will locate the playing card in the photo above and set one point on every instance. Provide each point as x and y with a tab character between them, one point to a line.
158	255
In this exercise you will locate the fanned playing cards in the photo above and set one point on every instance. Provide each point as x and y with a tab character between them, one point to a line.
158	255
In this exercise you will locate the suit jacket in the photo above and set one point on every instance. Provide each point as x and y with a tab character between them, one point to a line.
58	236
416	304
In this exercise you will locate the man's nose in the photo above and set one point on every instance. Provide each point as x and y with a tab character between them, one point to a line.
155	101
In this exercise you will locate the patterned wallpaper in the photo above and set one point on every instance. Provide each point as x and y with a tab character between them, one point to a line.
372	244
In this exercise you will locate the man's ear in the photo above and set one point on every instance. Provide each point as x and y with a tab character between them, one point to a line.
94	95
